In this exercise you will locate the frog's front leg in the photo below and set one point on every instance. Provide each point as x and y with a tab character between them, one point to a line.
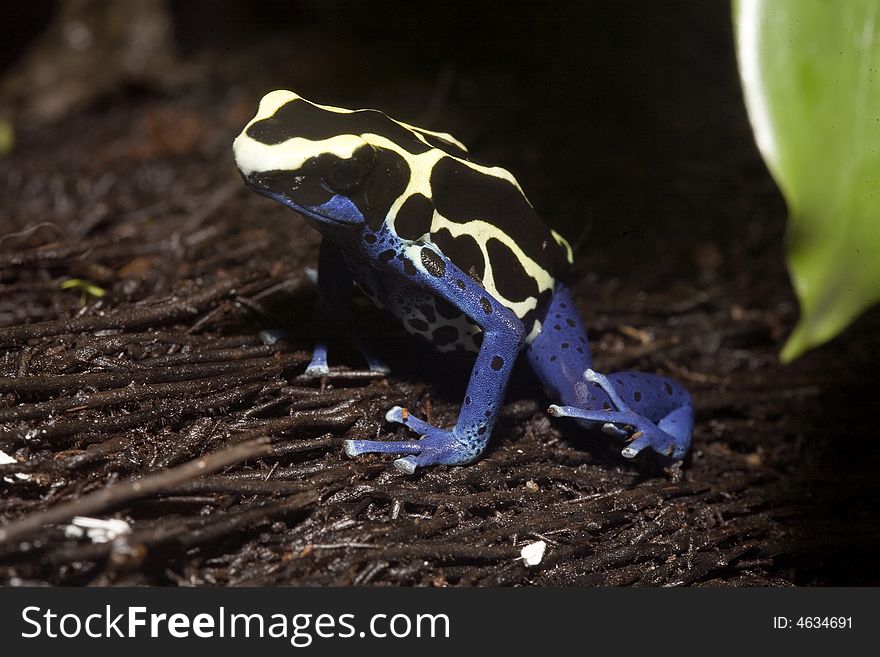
503	336
333	313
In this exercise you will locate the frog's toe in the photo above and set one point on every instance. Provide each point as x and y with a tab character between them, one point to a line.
317	370
614	430
567	411
402	416
318	365
270	337
640	441
379	367
355	448
408	464
592	376
655	439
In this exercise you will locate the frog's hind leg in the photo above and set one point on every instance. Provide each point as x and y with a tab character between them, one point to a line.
661	412
651	410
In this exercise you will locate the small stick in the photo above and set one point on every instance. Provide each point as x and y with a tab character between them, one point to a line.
116	494
47	384
170	310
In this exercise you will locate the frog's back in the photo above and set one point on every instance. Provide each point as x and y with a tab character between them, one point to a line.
482	221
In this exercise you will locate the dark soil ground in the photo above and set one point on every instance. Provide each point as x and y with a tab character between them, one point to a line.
158	404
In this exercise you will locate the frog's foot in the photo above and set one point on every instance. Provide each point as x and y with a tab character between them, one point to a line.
643	433
318	366
374	363
272	337
435	447
670	437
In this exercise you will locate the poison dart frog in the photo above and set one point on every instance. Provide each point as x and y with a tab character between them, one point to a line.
456	252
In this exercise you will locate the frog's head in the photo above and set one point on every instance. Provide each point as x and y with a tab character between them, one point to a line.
335	166
284	153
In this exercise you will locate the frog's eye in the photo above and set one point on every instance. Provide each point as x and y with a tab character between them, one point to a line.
343	176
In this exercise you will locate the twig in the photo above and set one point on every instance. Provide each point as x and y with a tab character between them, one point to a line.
167	411
49	384
90	455
132	317
117	494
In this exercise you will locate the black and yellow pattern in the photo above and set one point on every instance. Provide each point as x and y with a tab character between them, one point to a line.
423	187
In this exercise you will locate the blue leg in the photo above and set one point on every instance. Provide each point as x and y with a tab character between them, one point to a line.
333	313
374	363
650	410
502	338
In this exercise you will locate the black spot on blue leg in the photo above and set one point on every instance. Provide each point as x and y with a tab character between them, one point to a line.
385	256
433	263
637	396
409	268
486	305
497	363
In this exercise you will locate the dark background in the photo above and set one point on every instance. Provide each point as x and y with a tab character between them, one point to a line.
624	123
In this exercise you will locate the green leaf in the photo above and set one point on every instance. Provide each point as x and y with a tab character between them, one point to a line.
811	74
7	137
85	287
